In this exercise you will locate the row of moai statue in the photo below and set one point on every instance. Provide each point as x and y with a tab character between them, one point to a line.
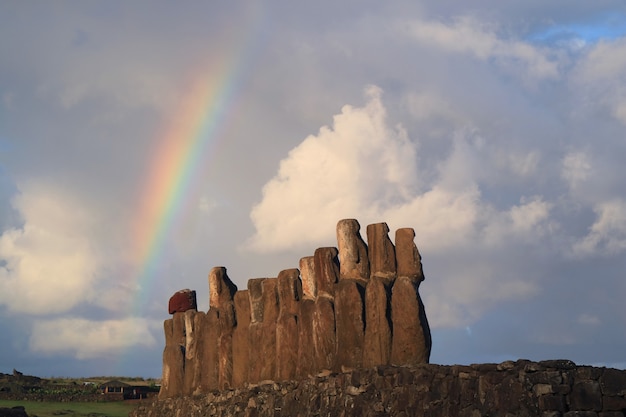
353	306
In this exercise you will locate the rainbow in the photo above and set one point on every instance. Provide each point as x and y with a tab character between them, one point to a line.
191	139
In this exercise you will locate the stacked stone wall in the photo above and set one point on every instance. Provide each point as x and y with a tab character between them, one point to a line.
346	307
556	388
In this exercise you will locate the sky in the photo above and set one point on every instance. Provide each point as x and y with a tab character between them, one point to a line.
143	143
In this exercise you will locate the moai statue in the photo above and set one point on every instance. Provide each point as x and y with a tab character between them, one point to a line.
241	347
411	342
221	293
354	263
289	296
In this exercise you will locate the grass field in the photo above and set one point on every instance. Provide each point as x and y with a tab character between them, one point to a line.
50	409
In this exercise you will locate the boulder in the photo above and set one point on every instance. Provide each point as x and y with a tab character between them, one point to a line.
352	251
17	411
182	301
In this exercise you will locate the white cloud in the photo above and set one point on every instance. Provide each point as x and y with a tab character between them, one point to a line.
576	169
607	235
357	167
601	78
50	263
86	339
470	36
528	221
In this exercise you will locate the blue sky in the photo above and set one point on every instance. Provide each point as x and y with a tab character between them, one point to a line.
496	131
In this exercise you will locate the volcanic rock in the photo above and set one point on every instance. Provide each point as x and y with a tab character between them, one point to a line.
381	253
182	301
352	251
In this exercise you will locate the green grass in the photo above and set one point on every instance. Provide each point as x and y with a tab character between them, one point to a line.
79	409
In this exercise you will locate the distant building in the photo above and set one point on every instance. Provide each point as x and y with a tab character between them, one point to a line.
124	390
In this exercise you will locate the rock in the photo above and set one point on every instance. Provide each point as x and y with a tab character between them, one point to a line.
289	291
350	328
289	296
192	364
352	251
381	253
411	339
408	259
255	330
326	267
268	338
221	293
264	310
173	360
173	357
306	363
324	333
241	350
307	274
210	354
377	342
17	411
182	301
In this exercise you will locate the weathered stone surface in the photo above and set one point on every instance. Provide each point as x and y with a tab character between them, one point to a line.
255	293
306	363
192	362
289	296
354	263
173	362
255	330
324	333
289	291
350	328
613	382
182	301
210	354
198	345
408	259
326	270
307	275
586	395
241	351
381	253
286	347
266	352
221	293
429	390
411	340
377	342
